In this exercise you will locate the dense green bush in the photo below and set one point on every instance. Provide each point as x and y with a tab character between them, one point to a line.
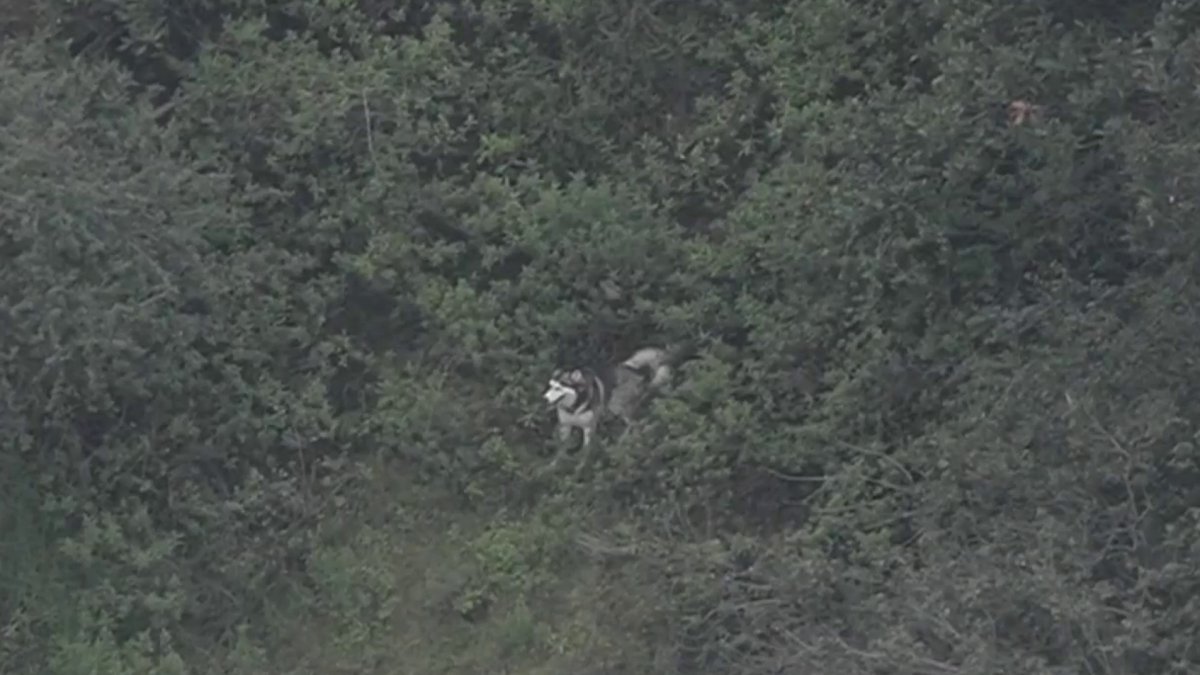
279	283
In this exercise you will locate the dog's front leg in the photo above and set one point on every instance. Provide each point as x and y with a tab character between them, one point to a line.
564	433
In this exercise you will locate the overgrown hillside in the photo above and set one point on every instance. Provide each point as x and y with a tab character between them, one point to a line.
281	282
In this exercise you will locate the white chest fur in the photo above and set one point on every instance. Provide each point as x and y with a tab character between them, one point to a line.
584	418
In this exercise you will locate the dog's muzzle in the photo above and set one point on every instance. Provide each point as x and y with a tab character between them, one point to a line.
556	393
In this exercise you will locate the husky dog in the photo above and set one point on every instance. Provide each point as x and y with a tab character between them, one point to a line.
583	396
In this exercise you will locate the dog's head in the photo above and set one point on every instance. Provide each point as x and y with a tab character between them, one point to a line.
565	388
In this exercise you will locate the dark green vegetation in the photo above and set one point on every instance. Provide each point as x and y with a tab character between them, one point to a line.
280	283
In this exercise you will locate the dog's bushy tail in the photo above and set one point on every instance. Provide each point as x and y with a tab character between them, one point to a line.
659	364
681	351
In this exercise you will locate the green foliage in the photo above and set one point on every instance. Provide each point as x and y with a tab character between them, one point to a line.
103	655
165	402
268	270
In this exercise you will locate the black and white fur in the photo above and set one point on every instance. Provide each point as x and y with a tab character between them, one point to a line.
583	396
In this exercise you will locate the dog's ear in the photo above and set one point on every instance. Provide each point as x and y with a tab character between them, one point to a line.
575	377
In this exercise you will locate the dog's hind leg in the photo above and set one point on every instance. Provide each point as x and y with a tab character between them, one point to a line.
627	421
